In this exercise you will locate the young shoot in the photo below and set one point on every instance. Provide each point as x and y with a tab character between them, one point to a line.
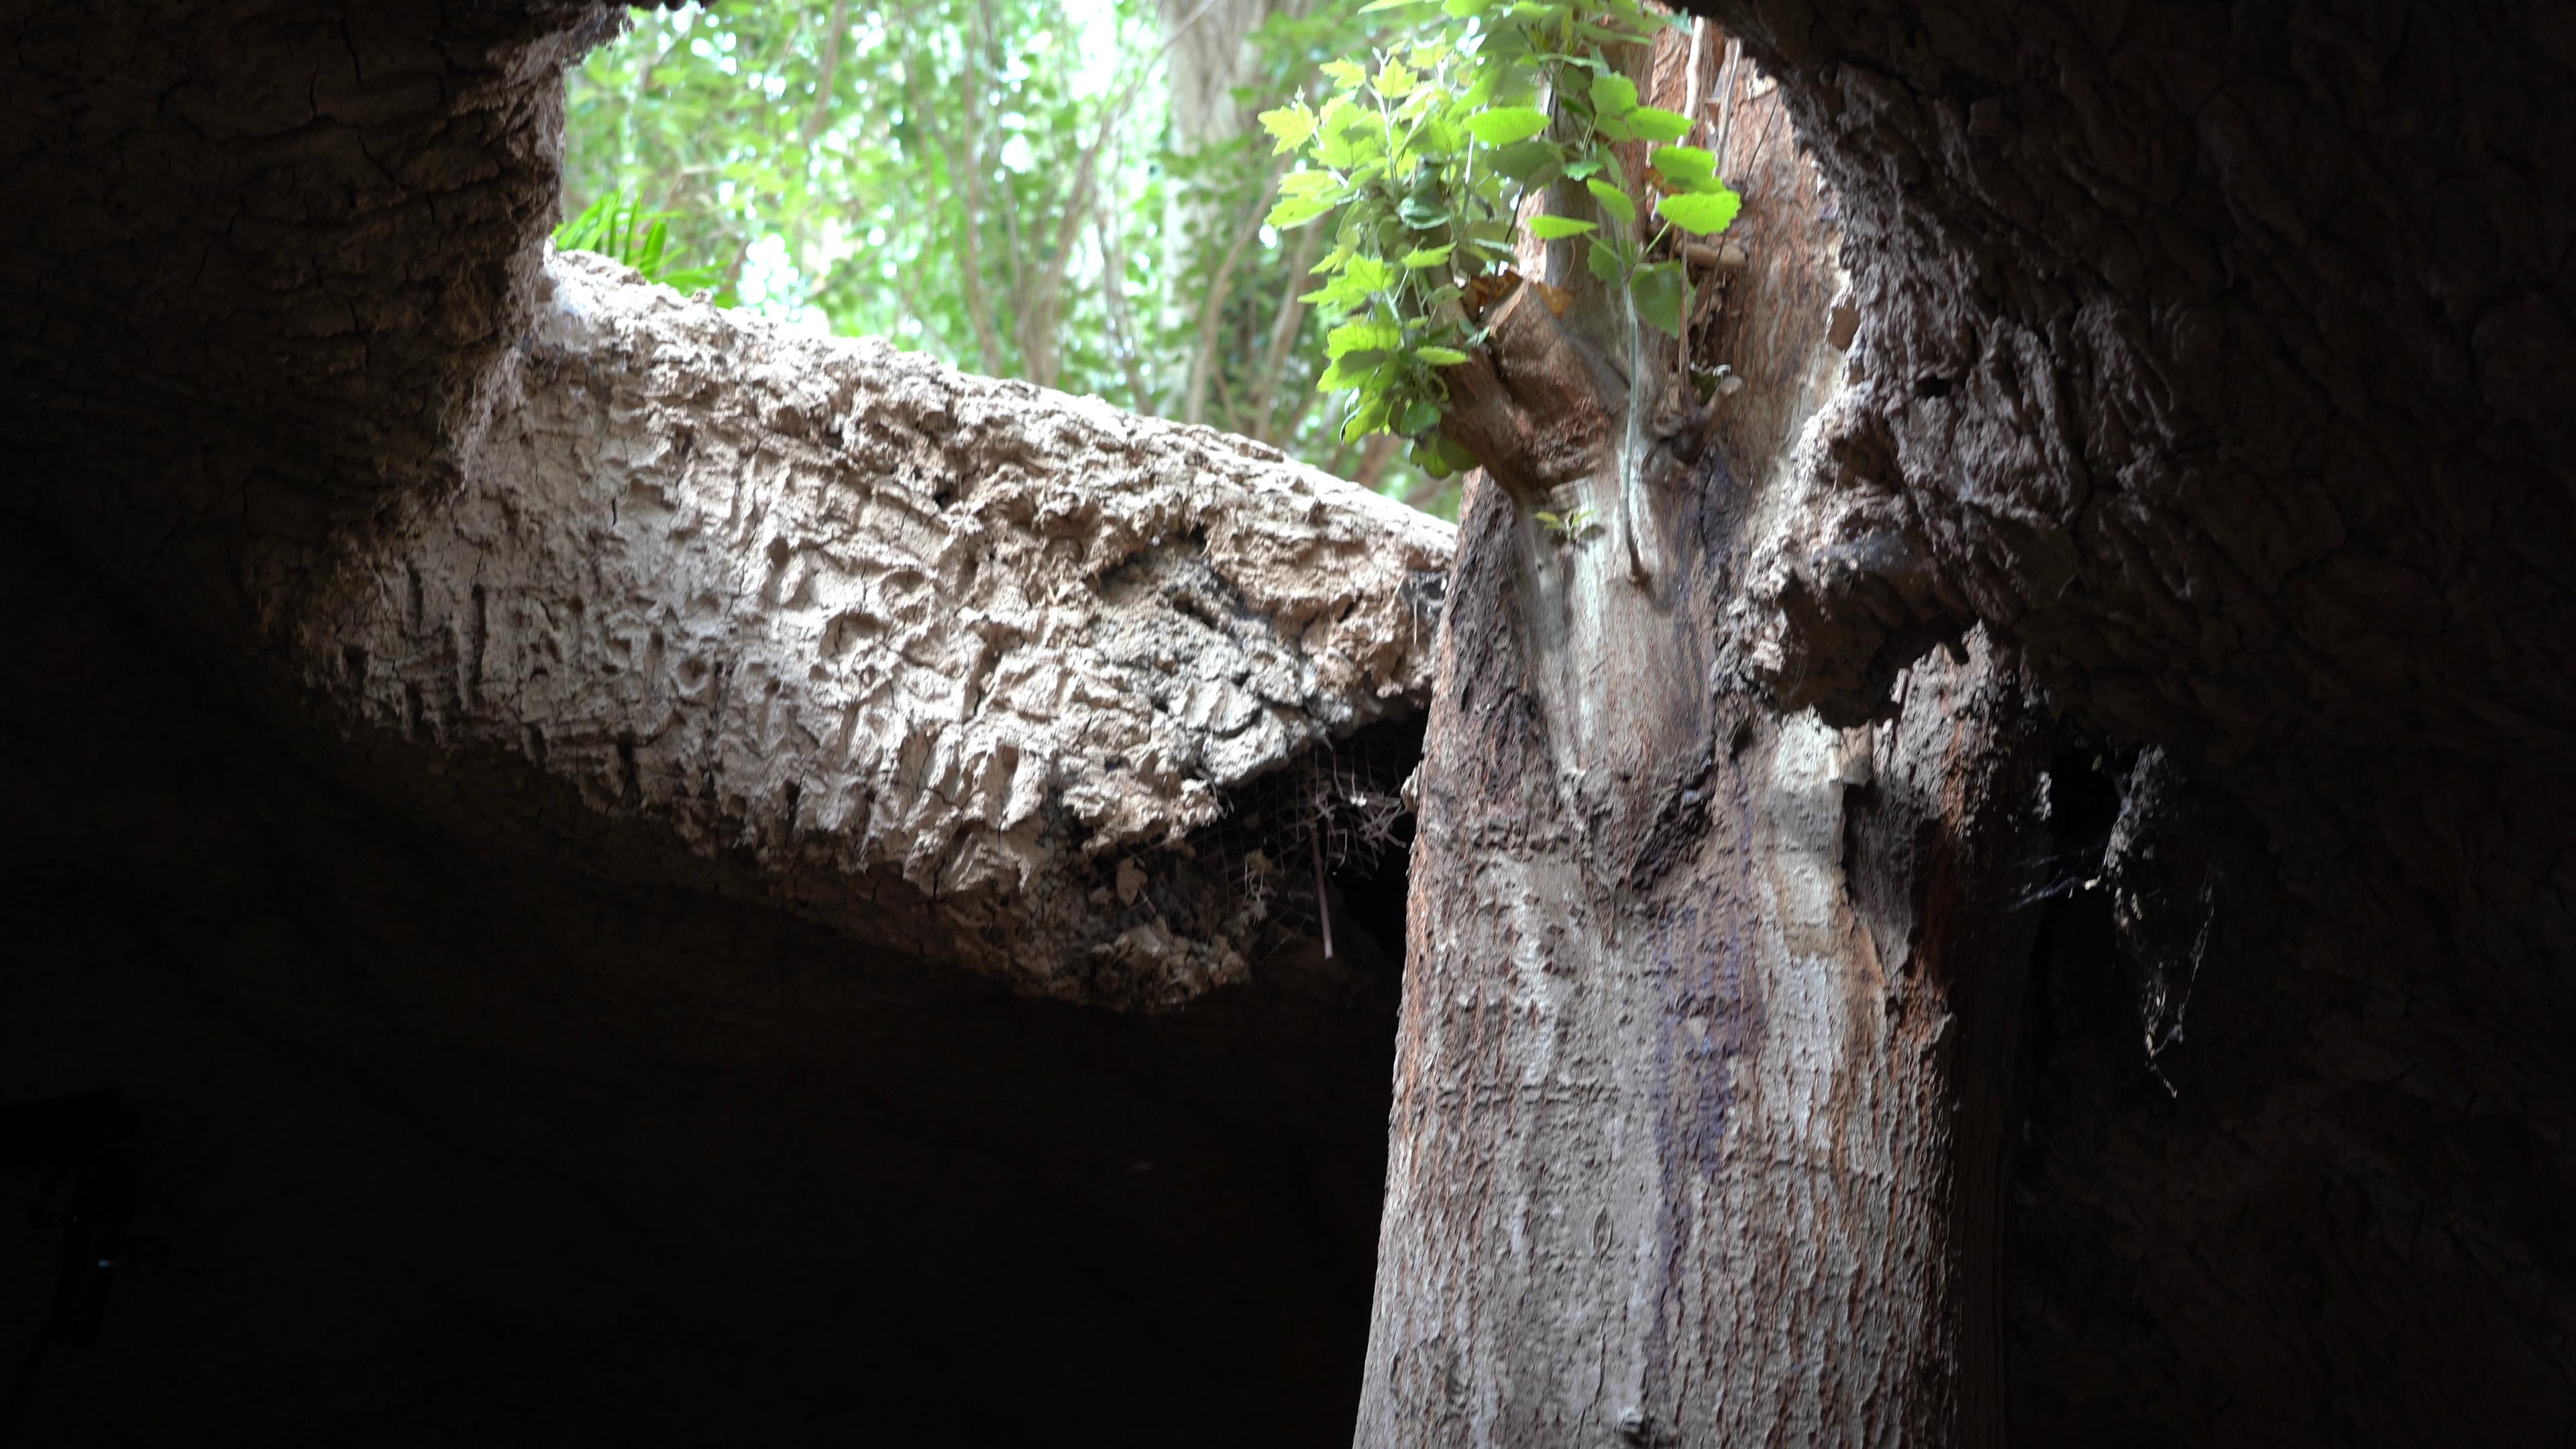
1420	161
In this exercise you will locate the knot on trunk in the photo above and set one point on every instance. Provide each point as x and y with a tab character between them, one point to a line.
1539	404
1843	592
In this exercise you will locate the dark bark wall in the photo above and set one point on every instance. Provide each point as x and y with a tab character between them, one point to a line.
446	1148
476	1146
271	250
2219	359
2224	351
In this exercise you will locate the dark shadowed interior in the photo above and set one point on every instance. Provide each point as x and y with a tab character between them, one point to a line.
2221	361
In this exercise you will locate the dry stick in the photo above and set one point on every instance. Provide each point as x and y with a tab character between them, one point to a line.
1632	442
1113	279
1212	307
979	308
821	115
1726	93
1032	314
1078	203
1692	105
1323	908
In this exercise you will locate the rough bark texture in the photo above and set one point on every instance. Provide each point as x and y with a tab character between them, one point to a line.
452	1146
933	658
2217	359
1705	1055
562	808
2213	361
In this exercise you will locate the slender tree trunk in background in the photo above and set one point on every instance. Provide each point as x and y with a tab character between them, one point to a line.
1708	1013
1210	45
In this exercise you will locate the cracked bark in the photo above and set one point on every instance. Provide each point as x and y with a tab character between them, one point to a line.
1701	1075
522	778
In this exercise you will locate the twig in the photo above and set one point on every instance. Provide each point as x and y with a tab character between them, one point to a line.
1113	277
1284	326
1726	96
1212	307
1323	908
821	115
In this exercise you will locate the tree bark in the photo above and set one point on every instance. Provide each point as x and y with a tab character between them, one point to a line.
1707	1026
949	663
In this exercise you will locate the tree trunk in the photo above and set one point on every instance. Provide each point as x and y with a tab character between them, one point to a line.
1707	1022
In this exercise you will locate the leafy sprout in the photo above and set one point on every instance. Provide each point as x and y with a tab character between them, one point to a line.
1571	526
1421	162
616	227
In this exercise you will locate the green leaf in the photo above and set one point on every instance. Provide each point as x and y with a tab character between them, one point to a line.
1614	201
1702	213
1652	123
1342	376
1551	228
1446	457
1440	356
1346	74
1395	80
693	279
1526	161
1295	211
1420	416
1658	289
1374	6
1503	125
1426	256
1293	125
1613	95
1308	183
1603	261
1420	214
1333	126
1685	168
1369	274
1362	337
1580	169
1370	417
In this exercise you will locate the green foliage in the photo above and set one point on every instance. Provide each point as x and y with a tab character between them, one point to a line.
1421	161
1571	527
608	226
999	182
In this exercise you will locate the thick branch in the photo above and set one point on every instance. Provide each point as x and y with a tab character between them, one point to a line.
916	653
